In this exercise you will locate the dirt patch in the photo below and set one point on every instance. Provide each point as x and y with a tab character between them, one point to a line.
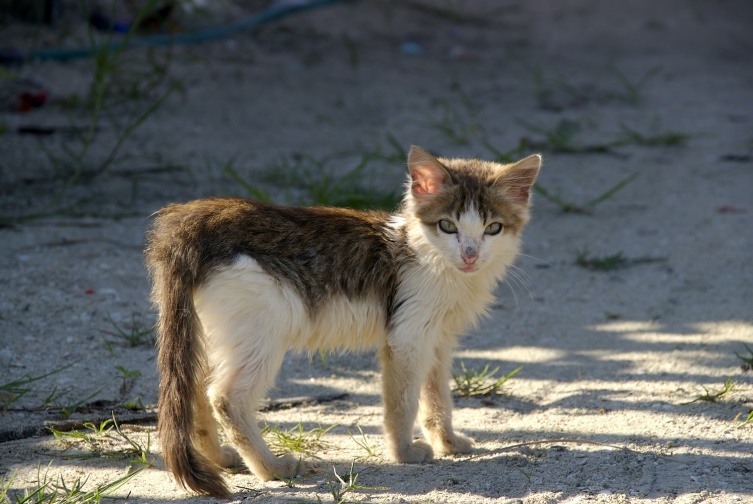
630	303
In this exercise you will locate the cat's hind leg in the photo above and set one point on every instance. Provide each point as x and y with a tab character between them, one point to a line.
235	405
206	437
436	405
249	321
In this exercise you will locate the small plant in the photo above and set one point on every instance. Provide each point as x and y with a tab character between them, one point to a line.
747	359
12	391
634	90
471	382
451	124
339	487
129	335
296	439
588	206
363	443
728	386
747	421
320	185
47	491
560	138
128	377
654	139
98	441
612	262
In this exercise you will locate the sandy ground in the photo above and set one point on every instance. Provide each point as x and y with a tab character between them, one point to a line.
611	360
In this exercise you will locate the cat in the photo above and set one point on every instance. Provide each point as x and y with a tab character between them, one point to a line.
237	283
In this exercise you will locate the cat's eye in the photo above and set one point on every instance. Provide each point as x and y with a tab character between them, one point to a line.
448	226
493	228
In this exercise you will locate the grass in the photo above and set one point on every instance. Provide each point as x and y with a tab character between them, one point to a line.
654	139
747	359
364	443
560	138
633	91
471	382
296	439
710	396
98	441
748	420
48	491
340	486
12	391
452	125
129	335
612	262
587	207
318	184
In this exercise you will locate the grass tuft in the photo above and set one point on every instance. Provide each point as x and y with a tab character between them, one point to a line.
612	262
709	396
471	382
296	439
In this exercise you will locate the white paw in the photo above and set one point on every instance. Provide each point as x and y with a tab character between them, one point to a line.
284	467
415	453
229	457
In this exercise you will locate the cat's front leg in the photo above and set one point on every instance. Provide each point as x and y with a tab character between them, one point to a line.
436	405
402	375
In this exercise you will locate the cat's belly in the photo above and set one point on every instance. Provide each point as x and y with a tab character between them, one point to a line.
241	306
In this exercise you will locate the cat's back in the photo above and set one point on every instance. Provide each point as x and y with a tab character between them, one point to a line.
318	250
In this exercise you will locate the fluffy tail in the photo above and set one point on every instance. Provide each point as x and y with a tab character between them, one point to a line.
181	358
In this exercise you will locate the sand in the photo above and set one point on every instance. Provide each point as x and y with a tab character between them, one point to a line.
612	360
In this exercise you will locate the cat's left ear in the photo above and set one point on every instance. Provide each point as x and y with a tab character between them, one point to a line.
428	176
516	181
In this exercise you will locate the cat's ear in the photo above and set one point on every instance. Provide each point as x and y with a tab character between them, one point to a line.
428	176
516	181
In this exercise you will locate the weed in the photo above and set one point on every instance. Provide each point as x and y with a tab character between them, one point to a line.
634	90
72	405
451	124
747	359
12	391
364	443
747	421
99	443
296	439
128	376
130	335
728	386
473	382
258	193
339	487
319	185
612	262
47	491
655	139
587	207
560	138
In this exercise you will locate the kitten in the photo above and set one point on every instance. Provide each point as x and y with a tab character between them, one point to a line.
238	283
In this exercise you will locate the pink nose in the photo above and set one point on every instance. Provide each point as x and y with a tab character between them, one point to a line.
470	258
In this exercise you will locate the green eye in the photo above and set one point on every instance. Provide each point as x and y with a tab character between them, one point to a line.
448	227
493	228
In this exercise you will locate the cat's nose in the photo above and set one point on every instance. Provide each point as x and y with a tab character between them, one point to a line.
469	255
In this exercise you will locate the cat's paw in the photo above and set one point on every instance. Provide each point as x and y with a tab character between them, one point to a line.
229	457
285	467
415	453
460	444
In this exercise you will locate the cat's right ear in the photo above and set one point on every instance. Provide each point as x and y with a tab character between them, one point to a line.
428	176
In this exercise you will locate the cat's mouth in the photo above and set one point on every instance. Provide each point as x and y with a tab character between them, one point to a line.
470	268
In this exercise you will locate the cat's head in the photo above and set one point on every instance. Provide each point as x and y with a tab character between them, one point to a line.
470	212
